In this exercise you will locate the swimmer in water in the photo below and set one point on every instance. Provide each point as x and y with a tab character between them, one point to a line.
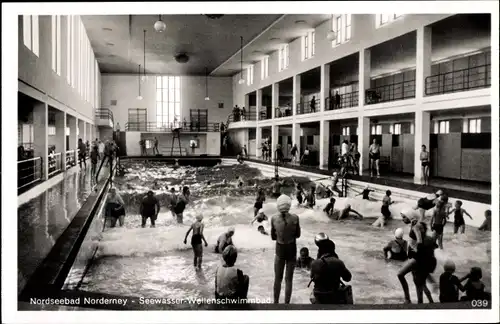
262	230
311	197
304	261
239	182
386	213
224	240
260	217
196	240
172	201
365	193
182	201
150	207
299	193
335	180
459	221
397	249
427	203
449	284
276	187
348	211
156	186
259	200
329	209
486	225
438	220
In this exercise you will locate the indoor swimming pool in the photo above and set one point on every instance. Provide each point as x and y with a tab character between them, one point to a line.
154	262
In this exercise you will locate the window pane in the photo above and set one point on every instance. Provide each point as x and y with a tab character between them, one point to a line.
35	35
178	109
27	31
478	125
348	33
165	94
178	82
158	82
178	95
165	82
158	94
472	125
171	94
348	19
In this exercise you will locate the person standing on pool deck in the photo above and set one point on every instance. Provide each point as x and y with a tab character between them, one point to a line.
182	201
374	155
424	159
459	221
285	230
150	207
196	240
155	148
259	201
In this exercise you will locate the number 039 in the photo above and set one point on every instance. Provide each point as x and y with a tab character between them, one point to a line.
479	303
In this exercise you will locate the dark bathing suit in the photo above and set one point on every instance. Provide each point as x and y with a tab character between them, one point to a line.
425	203
196	241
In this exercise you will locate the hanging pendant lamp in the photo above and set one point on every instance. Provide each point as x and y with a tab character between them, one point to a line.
139	97
241	81
144	77
206	85
160	26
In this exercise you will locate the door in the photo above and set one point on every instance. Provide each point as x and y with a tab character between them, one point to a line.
137	119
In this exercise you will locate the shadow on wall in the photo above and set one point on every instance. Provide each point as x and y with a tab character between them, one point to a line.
229	147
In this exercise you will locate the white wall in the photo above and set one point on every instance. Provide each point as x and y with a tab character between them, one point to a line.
125	89
37	73
213	144
132	140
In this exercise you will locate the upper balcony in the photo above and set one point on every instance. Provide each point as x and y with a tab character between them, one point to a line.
471	78
242	119
104	117
185	127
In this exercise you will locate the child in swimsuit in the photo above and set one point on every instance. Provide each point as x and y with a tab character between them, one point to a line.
438	221
459	221
259	201
196	240
298	194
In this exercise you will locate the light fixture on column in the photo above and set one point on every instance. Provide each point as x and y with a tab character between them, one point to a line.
160	26
139	97
241	81
206	85
144	77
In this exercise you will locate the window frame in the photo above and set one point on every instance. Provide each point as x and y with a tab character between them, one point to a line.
264	72
31	33
342	26
382	20
167	116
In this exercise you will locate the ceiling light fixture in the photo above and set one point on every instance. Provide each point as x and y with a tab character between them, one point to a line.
241	61
301	22
144	77
206	85
160	26
139	97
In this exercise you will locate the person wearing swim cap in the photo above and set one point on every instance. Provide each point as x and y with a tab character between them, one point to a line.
449	284
231	284
150	207
347	211
224	240
397	249
196	240
285	230
327	273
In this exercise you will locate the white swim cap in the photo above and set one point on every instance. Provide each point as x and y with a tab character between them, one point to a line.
399	233
439	192
284	203
260	212
410	213
199	217
334	173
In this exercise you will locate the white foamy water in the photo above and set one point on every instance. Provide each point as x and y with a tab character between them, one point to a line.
154	262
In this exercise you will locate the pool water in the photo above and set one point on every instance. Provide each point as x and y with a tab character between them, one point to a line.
154	262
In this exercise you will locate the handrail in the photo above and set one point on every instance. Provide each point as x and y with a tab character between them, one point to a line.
306	109
283	111
55	163
183	126
390	92
459	80
347	100
29	171
248	116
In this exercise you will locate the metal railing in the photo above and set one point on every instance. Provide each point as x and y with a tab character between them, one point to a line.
263	115
280	112
55	164
460	80
390	92
305	107
104	113
183	126
71	158
238	117
29	171
346	100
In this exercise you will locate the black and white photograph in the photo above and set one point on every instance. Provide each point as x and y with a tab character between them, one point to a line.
250	162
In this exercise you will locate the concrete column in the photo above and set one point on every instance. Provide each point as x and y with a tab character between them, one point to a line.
73	139
81	131
88	133
60	140
363	142
325	85
258	102
275	98
274	140
296	136
296	93
422	136
324	143
424	59
247	102
364	74
258	141
40	133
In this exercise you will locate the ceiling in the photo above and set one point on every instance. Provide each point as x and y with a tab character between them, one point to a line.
118	41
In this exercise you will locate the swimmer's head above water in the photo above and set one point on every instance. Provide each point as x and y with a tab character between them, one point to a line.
320	237
199	217
398	234
230	231
449	266
229	255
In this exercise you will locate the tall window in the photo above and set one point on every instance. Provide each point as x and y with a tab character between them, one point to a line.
264	68
385	19
341	25
96	81
284	57
376	130
308	43
250	75
69	48
472	125
346	131
168	100
31	33
51	130
395	129
442	127
56	44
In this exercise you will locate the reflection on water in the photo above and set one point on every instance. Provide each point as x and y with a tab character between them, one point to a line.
154	262
43	219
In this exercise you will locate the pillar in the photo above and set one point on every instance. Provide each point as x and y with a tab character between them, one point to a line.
60	140
296	93
275	98
424	60
81	131
258	141
40	133
363	142
324	143
422	136
258	104
247	102
73	138
88	134
296	136
325	86
274	139
364	74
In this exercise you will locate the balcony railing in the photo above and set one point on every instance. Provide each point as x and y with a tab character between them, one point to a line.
263	115
238	117
347	100
105	116
29	171
280	112
55	164
390	92
461	80
305	107
71	158
183	126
